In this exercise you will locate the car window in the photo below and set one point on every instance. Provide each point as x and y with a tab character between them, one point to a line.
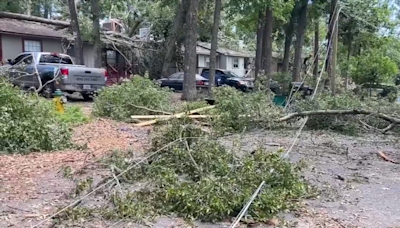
28	60
219	73
176	76
19	58
53	58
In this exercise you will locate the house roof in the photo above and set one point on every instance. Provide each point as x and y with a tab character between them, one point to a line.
29	28
204	49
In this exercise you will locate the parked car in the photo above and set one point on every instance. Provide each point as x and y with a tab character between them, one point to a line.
68	77
226	77
175	81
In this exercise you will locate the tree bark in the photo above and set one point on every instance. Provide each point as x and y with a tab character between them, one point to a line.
214	45
76	32
96	33
289	38
178	23
335	31
267	45
47	9
316	48
349	52
189	80
301	27
134	28
28	8
259	50
33	18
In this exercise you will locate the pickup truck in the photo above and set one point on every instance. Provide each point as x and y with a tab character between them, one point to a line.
56	71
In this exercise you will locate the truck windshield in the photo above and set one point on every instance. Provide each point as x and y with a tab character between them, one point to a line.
230	74
46	58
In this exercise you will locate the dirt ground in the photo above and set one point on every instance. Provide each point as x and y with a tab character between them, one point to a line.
357	187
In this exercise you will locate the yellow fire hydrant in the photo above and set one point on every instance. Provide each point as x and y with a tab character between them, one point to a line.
59	101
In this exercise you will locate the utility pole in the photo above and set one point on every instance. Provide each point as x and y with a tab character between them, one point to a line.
335	10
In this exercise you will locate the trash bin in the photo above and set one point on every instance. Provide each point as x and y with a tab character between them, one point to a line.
280	100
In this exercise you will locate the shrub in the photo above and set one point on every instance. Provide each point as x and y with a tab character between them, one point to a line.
237	111
119	102
28	123
200	179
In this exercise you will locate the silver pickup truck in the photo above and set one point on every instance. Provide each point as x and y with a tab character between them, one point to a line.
56	71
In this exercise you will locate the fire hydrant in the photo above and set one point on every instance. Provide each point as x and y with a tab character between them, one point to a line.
59	101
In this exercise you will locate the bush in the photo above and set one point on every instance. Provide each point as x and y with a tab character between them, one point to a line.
119	102
28	123
197	178
237	111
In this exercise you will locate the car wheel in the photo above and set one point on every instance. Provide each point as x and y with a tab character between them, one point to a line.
87	97
47	91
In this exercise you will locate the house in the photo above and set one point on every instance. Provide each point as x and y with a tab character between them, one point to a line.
18	36
235	61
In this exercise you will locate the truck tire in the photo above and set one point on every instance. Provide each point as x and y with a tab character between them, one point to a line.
87	97
48	90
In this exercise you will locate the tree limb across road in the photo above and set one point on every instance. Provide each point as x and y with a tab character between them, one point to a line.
390	119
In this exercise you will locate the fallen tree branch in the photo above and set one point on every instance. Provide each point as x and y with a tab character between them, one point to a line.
168	116
33	18
382	155
179	115
390	119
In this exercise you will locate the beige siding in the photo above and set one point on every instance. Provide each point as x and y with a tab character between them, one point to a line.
240	70
51	45
88	55
11	46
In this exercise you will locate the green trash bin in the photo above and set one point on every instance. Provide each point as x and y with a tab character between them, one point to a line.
280	100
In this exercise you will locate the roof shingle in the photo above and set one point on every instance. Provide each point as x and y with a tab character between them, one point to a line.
30	28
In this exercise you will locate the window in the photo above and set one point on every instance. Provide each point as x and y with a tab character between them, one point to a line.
176	76
111	57
23	57
207	61
235	62
32	45
54	58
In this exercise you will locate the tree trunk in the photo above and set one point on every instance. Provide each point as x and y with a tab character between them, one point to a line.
349	52
316	48
47	9
134	28
76	32
301	27
178	23
267	45
214	45
28	7
35	19
332	63
289	38
259	50
96	33
189	80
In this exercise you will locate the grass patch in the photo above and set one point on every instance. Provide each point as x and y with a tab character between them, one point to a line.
73	116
